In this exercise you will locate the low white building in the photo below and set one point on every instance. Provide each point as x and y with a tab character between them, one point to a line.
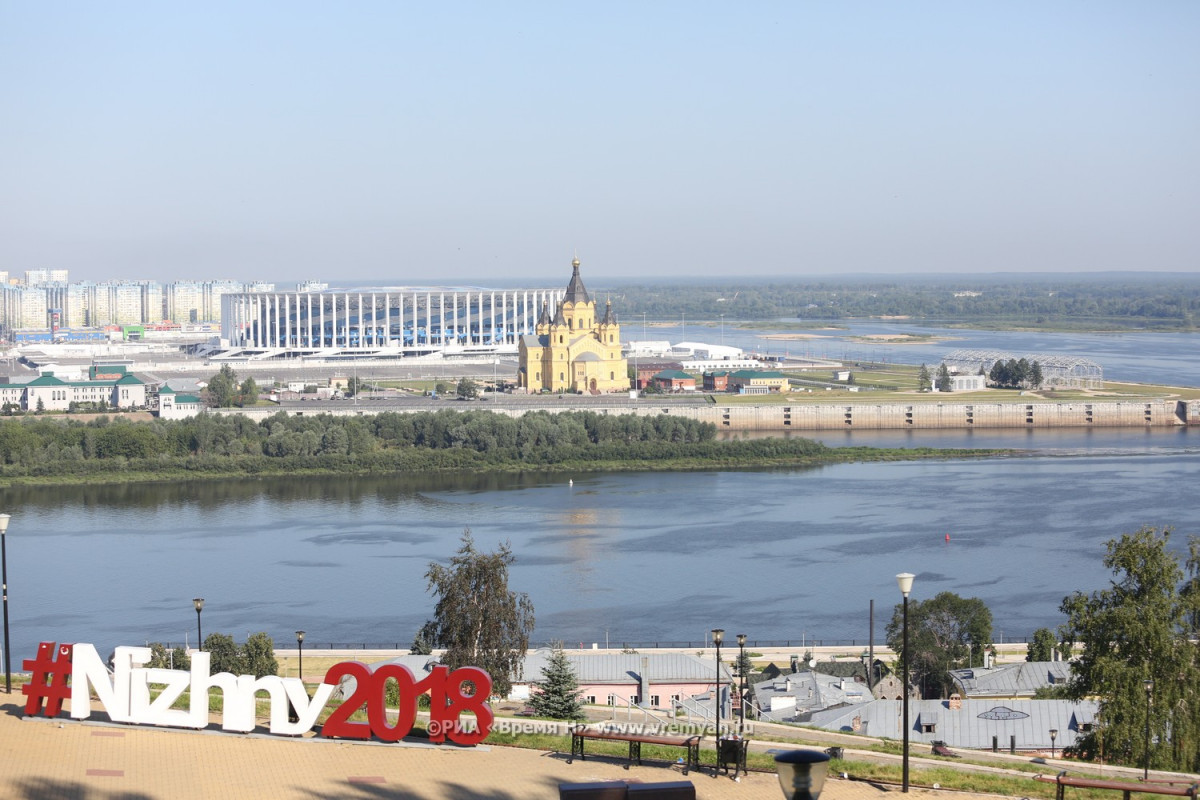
967	383
175	405
47	392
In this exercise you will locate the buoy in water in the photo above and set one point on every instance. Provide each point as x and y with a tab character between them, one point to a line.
947	537
571	482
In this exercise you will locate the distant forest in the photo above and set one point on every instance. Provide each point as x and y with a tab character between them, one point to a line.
1114	301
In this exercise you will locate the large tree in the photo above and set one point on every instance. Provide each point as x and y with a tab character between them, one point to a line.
557	695
1041	647
223	387
944	633
478	620
1134	631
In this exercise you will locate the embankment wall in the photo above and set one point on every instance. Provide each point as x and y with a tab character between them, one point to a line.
827	416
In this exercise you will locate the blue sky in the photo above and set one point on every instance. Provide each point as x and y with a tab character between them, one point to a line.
403	143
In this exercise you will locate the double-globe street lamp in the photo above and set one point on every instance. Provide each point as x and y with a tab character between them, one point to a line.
741	637
718	635
198	602
905	581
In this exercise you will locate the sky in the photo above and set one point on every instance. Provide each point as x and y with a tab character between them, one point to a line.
407	143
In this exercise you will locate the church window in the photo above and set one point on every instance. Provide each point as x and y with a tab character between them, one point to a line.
562	376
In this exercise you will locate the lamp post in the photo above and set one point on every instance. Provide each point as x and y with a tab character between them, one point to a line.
1149	687
4	518
718	634
300	645
905	582
198	602
1053	736
741	637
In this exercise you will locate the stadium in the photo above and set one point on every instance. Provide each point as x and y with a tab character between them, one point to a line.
378	323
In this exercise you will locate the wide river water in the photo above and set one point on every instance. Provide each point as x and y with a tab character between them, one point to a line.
631	557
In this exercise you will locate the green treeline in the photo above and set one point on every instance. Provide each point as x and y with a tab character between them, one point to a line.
1060	301
117	449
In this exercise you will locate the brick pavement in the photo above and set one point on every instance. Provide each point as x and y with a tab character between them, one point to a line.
63	759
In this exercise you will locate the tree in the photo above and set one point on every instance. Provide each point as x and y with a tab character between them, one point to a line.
1042	646
222	387
557	695
422	643
944	633
258	656
161	658
924	381
249	392
467	389
223	654
478	620
1035	375
943	381
1138	630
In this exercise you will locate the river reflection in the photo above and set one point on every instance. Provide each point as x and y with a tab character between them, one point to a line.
777	554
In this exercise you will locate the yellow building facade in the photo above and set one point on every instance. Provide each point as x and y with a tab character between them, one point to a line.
573	351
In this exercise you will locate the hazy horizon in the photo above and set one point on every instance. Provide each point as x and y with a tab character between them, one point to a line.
400	143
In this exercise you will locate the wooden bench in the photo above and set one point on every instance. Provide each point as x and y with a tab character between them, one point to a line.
1063	780
636	740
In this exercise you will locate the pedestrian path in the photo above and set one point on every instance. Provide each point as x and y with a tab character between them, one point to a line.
63	759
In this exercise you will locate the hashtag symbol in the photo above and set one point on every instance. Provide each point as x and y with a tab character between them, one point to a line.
50	671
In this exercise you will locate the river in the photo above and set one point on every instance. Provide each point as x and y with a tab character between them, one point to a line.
637	557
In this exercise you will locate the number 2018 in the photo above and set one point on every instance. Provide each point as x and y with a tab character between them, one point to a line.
447	702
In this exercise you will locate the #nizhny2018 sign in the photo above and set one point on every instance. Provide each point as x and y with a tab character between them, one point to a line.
125	695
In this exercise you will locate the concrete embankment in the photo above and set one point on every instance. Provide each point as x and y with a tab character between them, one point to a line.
802	416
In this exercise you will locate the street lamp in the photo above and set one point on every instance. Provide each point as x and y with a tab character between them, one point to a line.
300	645
4	518
741	637
905	582
1053	736
1149	686
718	634
198	602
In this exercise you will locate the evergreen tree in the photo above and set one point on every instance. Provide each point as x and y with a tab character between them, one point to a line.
1135	631
422	643
924	380
557	695
943	381
479	621
1035	375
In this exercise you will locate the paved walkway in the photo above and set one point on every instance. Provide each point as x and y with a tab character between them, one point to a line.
43	759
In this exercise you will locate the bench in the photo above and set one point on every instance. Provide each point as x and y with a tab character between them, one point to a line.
1063	780
619	790
636	740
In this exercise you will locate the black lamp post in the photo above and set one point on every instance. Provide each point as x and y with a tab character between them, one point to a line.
4	518
905	581
1053	736
300	645
1149	686
741	637
198	602
718	634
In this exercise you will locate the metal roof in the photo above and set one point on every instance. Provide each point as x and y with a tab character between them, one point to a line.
1011	680
972	725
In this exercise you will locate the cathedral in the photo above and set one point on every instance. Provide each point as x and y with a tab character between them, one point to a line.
573	351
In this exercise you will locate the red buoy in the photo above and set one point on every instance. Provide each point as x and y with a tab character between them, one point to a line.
947	537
